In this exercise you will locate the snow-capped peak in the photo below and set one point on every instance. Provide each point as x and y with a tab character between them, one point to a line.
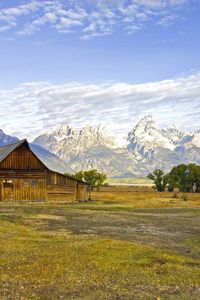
174	134
146	137
97	135
147	119
62	131
63	140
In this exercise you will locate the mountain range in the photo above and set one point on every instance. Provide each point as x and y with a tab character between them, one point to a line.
147	147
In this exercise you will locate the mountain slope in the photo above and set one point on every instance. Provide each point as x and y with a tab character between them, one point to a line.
148	147
7	139
88	148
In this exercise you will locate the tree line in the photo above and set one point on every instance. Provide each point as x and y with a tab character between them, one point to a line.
184	177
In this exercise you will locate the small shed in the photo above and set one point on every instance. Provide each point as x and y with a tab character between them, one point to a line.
24	177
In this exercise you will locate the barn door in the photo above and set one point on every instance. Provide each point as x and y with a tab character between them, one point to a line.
8	190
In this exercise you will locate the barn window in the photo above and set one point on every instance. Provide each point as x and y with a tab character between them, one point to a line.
27	183
34	182
7	181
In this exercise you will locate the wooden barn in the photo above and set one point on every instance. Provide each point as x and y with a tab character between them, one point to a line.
24	177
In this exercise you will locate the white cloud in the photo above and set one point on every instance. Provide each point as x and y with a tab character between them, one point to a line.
91	18
167	21
5	28
33	107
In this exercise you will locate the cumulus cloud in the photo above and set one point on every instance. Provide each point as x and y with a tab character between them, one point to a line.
32	108
89	18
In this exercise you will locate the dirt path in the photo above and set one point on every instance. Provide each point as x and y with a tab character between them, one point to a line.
173	229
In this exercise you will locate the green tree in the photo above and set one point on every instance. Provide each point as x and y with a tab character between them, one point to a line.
170	184
159	178
185	177
101	178
181	177
92	177
194	177
79	175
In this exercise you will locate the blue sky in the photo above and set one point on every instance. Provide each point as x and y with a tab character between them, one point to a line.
86	51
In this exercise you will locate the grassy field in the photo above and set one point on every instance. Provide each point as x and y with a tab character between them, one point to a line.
131	181
123	245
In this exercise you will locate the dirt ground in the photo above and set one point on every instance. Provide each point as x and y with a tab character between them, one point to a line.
166	228
165	232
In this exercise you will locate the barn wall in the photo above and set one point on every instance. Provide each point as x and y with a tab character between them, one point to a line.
6	174
22	185
23	189
1	190
64	188
61	193
82	191
39	185
60	187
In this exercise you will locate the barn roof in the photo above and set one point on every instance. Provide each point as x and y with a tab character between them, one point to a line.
6	150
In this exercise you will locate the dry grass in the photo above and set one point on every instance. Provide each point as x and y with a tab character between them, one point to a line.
146	199
123	246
